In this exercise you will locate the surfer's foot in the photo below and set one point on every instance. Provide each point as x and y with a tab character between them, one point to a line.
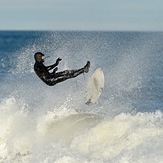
87	66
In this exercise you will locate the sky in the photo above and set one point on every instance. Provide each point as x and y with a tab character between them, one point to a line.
112	15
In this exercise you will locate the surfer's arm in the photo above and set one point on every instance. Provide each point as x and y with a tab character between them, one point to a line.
54	65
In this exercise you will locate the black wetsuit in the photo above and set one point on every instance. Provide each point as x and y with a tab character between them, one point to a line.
53	78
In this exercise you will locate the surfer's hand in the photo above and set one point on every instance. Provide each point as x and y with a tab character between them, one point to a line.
58	60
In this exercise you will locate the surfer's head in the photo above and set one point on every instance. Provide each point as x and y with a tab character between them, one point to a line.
39	57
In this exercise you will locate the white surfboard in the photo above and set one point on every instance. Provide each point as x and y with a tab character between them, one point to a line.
95	86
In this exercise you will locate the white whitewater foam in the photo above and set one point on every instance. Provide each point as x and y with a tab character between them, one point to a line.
65	135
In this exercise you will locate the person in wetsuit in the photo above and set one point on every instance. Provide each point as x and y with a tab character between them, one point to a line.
54	77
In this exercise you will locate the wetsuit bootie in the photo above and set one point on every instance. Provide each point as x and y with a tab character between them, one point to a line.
87	66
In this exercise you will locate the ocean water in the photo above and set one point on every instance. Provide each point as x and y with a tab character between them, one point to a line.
46	124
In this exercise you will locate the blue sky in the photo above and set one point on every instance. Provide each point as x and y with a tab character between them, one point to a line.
139	15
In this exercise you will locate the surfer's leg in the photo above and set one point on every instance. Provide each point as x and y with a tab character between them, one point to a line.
74	73
82	70
67	74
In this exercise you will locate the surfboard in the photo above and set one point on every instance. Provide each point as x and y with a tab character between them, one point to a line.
95	86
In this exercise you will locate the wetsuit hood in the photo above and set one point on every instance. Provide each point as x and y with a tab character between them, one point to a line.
38	57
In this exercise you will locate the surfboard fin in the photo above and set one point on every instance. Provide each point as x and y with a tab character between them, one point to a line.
88	102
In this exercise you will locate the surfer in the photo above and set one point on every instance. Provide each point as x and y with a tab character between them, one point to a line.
54	77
